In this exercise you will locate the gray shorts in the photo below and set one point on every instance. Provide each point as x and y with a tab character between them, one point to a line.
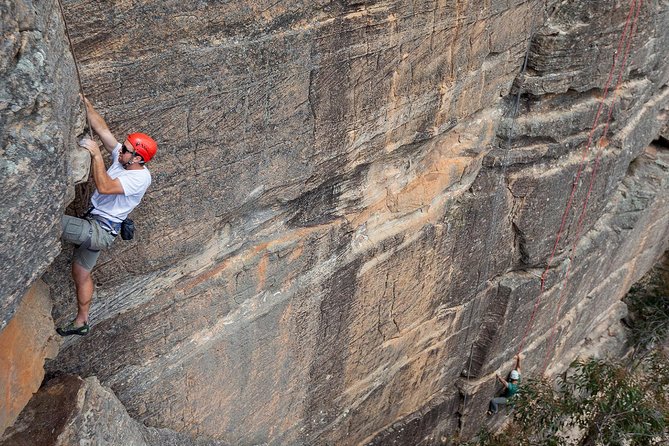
88	237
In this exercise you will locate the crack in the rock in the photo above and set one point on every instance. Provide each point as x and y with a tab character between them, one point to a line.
311	98
520	242
378	320
392	309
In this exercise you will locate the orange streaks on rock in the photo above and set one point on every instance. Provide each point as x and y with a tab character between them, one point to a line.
250	256
27	340
262	272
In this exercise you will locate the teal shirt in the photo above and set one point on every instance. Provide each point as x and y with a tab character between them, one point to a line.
512	389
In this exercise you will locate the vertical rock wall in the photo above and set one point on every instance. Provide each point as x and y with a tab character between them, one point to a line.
338	229
25	342
70	411
39	162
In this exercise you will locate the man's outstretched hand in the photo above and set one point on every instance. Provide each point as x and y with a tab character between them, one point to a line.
91	146
87	103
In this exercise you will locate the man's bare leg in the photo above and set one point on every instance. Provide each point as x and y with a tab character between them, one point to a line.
84	284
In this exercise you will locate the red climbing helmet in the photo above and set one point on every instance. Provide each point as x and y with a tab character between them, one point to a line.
144	145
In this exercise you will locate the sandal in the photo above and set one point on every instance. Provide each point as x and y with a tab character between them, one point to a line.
71	329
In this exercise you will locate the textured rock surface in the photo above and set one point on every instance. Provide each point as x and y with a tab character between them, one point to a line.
664	135
70	411
25	343
39	161
338	229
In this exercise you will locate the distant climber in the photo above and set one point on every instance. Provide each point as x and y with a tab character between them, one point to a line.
119	190
510	388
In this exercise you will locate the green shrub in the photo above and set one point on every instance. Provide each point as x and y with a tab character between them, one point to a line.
603	402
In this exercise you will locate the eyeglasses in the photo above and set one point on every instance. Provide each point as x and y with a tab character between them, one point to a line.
124	149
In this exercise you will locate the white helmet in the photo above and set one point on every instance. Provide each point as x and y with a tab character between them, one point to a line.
515	375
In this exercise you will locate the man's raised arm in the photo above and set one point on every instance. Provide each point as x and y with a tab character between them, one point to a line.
504	382
100	126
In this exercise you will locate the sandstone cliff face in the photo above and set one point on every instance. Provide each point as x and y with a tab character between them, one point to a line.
38	158
71	411
25	342
338	228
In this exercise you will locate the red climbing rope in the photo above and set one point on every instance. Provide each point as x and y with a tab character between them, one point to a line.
578	174
593	175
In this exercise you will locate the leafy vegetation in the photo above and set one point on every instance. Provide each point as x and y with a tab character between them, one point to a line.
648	305
602	402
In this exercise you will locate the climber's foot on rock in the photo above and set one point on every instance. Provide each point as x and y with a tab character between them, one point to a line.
72	329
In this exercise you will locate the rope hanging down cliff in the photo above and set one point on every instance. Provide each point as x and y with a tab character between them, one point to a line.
496	202
625	36
118	191
76	64
602	143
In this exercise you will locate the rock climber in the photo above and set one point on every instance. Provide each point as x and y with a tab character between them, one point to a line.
119	190
510	388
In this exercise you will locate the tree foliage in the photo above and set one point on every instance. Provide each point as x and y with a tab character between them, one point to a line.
648	306
599	402
603	402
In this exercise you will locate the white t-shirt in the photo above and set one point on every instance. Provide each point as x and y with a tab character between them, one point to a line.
116	207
